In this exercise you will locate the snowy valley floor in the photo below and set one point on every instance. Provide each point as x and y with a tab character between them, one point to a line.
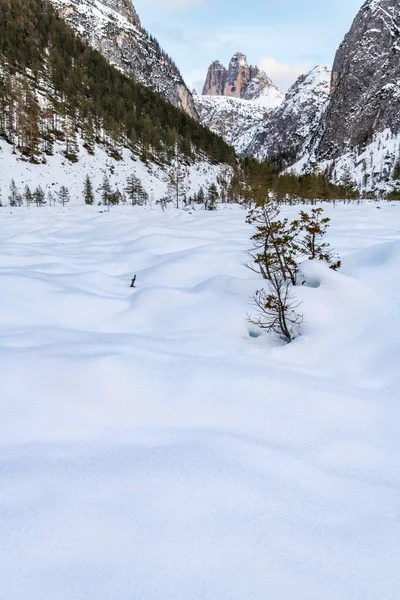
150	449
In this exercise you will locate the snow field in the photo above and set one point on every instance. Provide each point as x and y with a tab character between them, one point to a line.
151	449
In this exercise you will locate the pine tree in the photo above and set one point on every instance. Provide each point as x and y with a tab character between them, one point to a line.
28	196
212	197
347	184
51	199
39	196
15	198
106	190
314	227
88	193
274	242
63	196
133	189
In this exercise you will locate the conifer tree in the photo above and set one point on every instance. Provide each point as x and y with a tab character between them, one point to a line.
28	196
277	307
212	197
51	199
106	190
39	196
88	193
274	242
314	227
132	189
63	196
347	184
15	198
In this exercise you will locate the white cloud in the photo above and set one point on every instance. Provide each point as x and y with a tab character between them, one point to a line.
282	74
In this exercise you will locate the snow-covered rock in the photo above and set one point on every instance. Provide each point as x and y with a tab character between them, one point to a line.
289	131
240	80
365	89
236	120
113	27
236	101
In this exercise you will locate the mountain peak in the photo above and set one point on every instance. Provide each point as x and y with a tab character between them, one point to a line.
113	27
238	81
124	8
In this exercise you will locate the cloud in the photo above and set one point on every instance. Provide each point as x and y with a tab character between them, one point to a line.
282	74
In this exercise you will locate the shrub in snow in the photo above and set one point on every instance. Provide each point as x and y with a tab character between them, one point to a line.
276	308
277	246
314	227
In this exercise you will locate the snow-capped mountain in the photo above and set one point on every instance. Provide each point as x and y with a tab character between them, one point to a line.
365	90
114	28
238	81
289	131
361	126
236	101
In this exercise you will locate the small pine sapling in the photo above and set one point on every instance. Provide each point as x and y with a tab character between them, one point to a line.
274	243
314	227
277	308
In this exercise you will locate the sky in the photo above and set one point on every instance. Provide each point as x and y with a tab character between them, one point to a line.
285	37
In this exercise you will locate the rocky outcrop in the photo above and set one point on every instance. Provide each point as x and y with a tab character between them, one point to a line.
289	132
113	27
238	81
365	85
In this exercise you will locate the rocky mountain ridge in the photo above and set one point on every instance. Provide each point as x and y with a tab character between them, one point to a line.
240	80
113	27
288	133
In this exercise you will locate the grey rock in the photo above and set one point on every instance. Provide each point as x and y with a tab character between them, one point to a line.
238	81
113	27
365	86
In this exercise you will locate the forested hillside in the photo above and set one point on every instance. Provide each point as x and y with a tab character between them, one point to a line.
53	87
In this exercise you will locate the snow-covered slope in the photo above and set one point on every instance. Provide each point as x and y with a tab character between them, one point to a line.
151	449
237	120
113	27
58	171
291	128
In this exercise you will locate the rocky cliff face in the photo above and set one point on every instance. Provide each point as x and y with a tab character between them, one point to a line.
113	27
290	129
238	81
365	86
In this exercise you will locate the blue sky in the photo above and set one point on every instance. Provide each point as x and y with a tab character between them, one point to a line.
286	37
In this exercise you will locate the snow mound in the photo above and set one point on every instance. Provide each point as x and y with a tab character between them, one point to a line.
150	448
